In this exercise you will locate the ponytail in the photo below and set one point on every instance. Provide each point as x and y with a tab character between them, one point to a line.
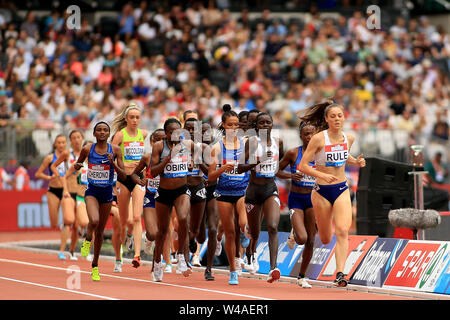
315	114
120	121
227	112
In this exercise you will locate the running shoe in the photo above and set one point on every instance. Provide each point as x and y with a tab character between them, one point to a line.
118	266
149	247
136	262
340	281
255	264
237	265
157	272
168	268
218	248
182	267
302	282
192	245
129	242
208	275
72	257
61	256
85	248
233	278
196	261
95	274
248	265
173	258
274	275
244	240
291	241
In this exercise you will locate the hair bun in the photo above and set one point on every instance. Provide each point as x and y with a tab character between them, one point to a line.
226	107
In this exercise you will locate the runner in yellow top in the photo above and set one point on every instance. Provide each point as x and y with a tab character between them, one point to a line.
131	141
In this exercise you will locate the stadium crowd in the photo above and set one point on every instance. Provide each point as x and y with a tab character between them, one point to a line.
200	57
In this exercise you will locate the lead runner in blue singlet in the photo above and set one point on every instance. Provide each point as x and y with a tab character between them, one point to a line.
99	193
330	149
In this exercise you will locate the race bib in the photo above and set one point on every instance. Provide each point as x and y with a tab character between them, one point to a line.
336	155
133	150
98	173
153	184
268	168
306	181
177	167
233	175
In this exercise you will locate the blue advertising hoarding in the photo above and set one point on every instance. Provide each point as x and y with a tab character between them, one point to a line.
377	263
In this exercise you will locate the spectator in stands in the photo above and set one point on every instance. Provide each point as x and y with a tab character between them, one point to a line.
126	21
44	121
30	26
5	179
81	120
21	176
436	169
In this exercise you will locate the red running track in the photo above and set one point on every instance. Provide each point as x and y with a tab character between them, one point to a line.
28	275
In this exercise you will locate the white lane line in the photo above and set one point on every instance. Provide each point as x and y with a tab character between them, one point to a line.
139	280
57	288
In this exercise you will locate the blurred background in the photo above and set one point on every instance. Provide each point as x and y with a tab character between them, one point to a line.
274	56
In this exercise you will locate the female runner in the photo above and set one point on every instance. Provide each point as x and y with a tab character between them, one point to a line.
69	200
55	186
99	193
225	155
330	197
299	201
196	185
131	141
81	213
151	184
262	153
171	160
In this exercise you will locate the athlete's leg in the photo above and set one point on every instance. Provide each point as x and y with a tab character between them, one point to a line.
68	211
271	211
182	206
150	221
123	203
137	202
254	225
226	213
322	211
212	219
195	219
163	213
342	212
310	227
82	217
104	212
115	219
53	208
